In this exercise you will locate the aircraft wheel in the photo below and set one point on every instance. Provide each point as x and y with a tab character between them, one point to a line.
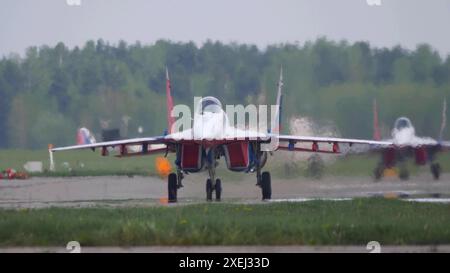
172	188
266	187
218	189
436	170
209	190
404	174
378	173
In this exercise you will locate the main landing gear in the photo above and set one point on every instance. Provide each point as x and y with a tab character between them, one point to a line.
263	179
435	169
378	172
172	188
403	173
173	184
214	185
266	187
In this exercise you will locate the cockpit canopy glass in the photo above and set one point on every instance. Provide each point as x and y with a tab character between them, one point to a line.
209	104
402	123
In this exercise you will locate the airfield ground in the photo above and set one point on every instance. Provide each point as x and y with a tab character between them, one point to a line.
45	212
127	211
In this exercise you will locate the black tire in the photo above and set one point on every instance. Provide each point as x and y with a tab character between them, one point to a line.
209	190
435	170
404	174
266	187
378	173
218	189
172	188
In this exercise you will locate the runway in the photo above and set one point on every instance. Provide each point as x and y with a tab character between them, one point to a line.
117	191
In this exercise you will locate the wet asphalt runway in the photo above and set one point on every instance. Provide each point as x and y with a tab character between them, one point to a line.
147	191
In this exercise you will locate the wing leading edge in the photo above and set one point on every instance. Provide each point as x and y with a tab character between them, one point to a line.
126	142
167	140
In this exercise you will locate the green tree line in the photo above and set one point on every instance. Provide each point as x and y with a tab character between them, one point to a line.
49	92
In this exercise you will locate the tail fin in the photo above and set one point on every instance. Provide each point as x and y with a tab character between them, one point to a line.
169	102
376	128
276	122
444	120
84	136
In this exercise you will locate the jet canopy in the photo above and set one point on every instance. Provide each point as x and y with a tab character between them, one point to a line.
209	104
402	123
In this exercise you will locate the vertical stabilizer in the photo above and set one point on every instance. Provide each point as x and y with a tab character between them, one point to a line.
376	128
276	122
443	120
169	102
84	136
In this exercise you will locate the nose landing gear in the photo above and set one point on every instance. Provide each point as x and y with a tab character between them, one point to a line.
210	188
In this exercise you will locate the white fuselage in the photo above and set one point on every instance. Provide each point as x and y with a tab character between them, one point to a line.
212	123
404	134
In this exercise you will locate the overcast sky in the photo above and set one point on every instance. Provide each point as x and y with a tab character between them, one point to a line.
26	23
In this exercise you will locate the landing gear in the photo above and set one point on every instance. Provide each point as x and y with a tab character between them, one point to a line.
213	184
210	188
173	184
218	189
404	173
180	177
266	187
435	170
378	173
172	187
262	179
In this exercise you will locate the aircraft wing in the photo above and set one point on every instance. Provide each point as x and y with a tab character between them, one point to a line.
126	142
171	139
445	144
288	142
287	138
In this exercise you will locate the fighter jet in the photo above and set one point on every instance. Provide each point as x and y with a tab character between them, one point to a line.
212	137
405	145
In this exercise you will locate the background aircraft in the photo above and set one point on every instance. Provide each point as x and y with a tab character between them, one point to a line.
406	145
84	136
212	137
